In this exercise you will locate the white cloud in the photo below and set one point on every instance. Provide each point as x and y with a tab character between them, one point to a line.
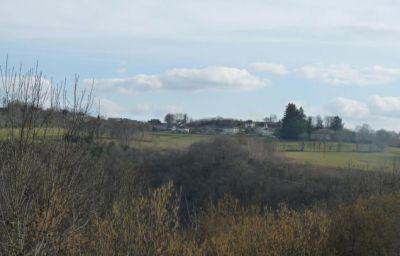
109	108
148	18
349	75
348	108
210	78
388	106
273	68
128	86
378	111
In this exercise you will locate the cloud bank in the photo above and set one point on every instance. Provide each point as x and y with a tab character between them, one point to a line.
350	75
374	105
273	68
335	74
103	19
379	111
183	79
387	106
348	107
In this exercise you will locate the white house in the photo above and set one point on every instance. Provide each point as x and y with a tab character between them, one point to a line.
183	130
230	130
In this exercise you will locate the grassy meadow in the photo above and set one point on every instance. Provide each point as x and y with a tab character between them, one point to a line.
328	154
39	132
166	141
346	155
386	160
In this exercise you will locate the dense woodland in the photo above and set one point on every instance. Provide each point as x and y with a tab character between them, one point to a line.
63	191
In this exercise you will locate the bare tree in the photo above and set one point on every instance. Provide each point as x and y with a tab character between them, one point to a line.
45	183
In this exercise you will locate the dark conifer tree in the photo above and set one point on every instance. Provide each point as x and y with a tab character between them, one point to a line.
293	122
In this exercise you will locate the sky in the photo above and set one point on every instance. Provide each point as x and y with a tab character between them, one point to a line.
229	58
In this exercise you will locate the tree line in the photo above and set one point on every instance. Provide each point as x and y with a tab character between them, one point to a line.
297	126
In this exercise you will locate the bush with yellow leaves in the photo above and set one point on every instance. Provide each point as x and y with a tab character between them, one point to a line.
145	225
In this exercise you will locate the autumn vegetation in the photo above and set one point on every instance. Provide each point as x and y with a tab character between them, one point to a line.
63	191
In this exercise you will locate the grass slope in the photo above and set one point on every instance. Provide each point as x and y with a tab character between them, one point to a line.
313	153
166	141
387	160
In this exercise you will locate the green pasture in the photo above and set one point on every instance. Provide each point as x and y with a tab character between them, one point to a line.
329	154
319	146
166	141
38	132
350	156
341	155
387	160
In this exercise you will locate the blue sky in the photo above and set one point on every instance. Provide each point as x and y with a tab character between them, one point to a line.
242	59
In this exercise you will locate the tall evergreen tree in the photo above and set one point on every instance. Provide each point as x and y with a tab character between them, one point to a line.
336	123
293	122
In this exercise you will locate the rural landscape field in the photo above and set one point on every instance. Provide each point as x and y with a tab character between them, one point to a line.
348	157
200	128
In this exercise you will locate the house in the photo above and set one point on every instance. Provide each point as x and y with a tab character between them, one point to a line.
263	125
273	126
262	129
182	130
230	130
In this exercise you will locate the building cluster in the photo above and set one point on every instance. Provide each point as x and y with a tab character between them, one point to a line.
220	127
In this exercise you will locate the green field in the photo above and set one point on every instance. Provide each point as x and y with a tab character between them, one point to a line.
166	141
313	154
317	146
386	160
39	132
347	155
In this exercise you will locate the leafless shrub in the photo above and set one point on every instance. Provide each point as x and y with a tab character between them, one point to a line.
45	181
